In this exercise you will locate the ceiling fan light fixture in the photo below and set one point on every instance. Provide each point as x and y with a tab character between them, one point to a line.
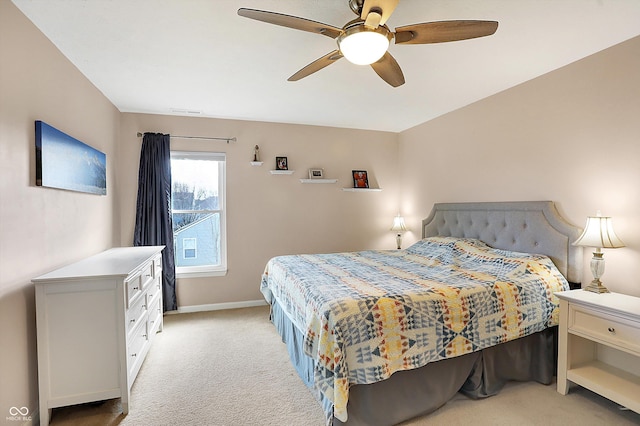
362	45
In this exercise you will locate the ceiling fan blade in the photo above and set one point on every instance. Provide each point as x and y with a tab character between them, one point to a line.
443	31
384	7
389	70
291	22
316	65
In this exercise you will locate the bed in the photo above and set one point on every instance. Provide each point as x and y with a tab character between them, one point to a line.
384	336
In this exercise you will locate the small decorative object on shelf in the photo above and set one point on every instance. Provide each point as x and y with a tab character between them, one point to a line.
281	163
256	157
316	173
360	179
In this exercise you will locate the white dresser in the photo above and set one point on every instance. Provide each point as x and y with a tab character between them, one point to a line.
599	345
95	321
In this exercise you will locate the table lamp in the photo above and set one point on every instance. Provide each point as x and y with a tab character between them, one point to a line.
399	227
598	233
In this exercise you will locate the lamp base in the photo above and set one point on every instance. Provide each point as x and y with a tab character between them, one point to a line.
399	241
596	286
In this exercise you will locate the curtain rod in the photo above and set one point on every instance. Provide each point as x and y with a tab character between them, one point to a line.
198	137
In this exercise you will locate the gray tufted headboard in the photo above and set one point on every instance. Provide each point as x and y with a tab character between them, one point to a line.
527	226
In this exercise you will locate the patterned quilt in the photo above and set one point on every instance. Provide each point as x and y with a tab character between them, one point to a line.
366	315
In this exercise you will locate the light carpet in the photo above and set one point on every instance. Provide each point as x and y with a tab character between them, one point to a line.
231	368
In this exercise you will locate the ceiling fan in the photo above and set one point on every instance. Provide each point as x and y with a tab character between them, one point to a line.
365	40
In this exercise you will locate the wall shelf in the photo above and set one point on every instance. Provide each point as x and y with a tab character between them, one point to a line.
256	163
282	172
362	189
318	180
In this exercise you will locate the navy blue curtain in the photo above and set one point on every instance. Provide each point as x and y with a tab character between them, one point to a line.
153	209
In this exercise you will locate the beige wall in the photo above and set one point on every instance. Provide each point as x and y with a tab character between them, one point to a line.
42	228
571	136
268	215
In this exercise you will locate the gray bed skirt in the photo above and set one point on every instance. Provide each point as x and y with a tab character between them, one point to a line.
408	394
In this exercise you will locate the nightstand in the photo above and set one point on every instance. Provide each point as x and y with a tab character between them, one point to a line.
599	345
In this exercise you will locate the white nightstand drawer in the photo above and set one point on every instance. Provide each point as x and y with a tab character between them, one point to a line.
605	328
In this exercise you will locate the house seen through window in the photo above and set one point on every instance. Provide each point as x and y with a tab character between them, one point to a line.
197	207
189	247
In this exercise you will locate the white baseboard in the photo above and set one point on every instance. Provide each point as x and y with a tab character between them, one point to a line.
219	306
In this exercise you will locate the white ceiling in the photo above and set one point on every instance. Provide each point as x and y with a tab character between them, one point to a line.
159	56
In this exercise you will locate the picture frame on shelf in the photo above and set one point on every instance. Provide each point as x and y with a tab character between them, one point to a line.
282	163
360	179
316	173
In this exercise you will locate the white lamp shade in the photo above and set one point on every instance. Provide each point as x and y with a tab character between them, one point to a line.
598	232
398	224
362	45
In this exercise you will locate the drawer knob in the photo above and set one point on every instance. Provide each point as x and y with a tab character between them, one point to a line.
133	320
611	330
136	288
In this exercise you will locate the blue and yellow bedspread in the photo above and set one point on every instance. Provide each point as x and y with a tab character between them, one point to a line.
366	315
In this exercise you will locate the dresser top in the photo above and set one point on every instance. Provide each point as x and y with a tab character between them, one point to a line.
613	302
120	261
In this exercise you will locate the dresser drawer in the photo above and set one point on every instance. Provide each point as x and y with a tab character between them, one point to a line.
157	267
147	274
136	313
606	328
133	287
155	316
154	289
136	343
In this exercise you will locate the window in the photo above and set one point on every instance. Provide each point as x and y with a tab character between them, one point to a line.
198	212
189	248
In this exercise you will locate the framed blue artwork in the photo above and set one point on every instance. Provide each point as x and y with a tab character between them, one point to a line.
64	162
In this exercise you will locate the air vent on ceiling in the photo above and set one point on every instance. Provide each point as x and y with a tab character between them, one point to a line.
185	111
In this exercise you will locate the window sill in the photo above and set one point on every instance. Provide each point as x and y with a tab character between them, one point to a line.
201	274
